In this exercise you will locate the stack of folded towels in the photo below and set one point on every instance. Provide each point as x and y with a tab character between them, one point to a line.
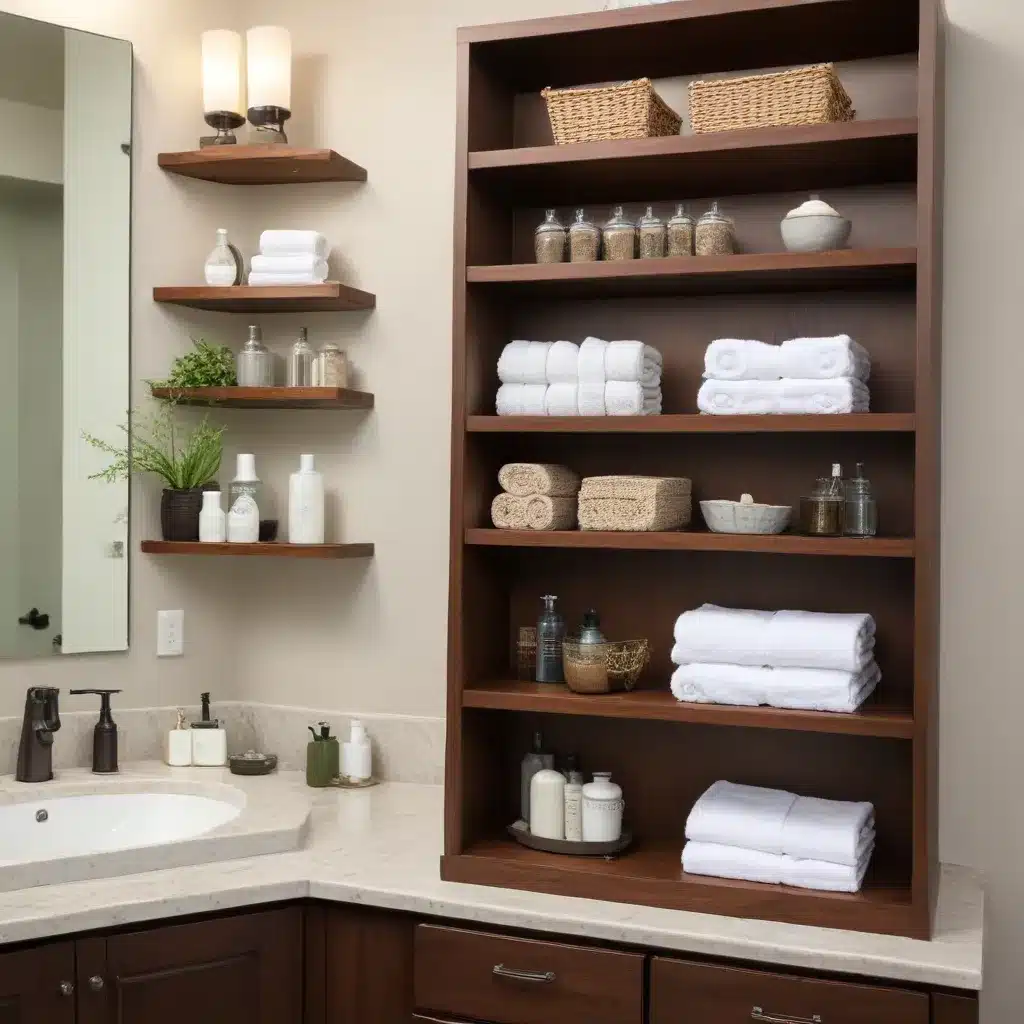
768	835
634	503
290	257
597	378
535	496
814	661
802	375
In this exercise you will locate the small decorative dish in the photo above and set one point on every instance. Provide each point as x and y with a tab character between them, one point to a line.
604	668
814	226
344	782
520	832
252	762
746	516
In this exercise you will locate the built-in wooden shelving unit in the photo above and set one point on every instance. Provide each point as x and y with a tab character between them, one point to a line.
262	165
329	297
883	291
268	398
259	550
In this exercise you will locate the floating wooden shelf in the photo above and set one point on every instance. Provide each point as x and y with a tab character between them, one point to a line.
261	165
722	163
707	275
276	550
683	540
687	423
269	398
307	298
659	705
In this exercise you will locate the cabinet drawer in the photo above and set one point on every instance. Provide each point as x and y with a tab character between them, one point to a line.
683	992
522	981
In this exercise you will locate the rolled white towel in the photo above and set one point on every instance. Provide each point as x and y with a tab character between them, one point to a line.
563	363
591	361
293	243
590	399
822	358
308	264
835	396
257	278
524	362
739	359
562	400
623	398
521	400
632	361
739	397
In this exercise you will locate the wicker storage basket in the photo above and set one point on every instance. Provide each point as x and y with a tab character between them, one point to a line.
632	110
812	95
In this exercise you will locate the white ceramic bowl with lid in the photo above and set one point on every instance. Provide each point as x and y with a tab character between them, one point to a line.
814	226
745	516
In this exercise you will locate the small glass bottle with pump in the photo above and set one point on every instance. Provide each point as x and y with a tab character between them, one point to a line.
550	634
861	518
224	265
300	362
591	631
255	366
549	241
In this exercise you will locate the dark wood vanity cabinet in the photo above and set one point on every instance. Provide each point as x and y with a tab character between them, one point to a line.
37	986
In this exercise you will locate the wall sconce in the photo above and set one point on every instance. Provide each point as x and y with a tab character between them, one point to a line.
223	95
269	58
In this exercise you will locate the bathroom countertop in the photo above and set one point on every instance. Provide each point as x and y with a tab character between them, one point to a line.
381	847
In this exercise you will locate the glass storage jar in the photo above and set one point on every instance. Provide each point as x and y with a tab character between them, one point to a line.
549	239
680	233
618	240
652	236
584	240
823	512
715	234
330	369
861	514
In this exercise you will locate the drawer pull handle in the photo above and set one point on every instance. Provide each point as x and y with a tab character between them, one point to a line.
771	1018
534	977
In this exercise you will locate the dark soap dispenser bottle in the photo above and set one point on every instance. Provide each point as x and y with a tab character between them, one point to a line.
104	736
550	634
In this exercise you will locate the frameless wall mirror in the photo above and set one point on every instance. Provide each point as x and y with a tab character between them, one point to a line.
65	206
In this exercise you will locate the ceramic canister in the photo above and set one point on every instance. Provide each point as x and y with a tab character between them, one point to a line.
602	809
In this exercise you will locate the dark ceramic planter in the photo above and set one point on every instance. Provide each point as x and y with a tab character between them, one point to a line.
179	513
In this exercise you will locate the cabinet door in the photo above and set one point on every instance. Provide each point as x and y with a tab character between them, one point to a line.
37	985
245	968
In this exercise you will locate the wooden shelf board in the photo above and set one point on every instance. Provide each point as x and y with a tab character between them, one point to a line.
266	164
269	398
720	163
696	540
275	550
693	423
651	874
873	719
307	298
746	273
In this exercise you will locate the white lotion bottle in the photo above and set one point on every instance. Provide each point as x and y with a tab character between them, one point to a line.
179	743
306	504
574	807
356	755
547	804
213	523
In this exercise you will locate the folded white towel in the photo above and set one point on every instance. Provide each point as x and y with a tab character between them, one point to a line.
521	400
308	264
591	361
823	876
805	689
836	831
292	243
766	397
563	363
784	639
632	361
590	399
524	362
628	398
257	278
562	400
738	359
821	358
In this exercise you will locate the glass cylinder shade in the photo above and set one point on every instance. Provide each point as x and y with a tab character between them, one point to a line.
269	56
222	72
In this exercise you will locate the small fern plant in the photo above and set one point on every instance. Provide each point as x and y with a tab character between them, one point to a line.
206	366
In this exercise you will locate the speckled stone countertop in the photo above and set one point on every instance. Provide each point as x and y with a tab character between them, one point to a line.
382	846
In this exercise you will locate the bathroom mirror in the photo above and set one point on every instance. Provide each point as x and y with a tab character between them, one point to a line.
65	205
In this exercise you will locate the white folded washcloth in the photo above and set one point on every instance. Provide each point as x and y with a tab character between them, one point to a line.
591	361
628	398
822	358
257	278
590	399
521	400
632	361
563	363
524	362
734	815
293	243
837	831
308	264
739	359
562	400
767	397
803	689
785	639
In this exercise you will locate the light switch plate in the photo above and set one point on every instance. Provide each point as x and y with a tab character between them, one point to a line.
170	633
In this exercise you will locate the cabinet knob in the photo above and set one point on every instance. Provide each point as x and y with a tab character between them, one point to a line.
67	988
96	983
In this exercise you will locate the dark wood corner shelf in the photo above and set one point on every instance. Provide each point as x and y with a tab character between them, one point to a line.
684	540
872	719
329	297
261	165
275	550
268	398
694	423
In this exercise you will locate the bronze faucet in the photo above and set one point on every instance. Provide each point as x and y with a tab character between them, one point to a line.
41	721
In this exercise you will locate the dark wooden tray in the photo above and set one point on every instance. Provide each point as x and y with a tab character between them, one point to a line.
567	847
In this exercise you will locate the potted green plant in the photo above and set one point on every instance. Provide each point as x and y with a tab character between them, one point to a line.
206	366
186	464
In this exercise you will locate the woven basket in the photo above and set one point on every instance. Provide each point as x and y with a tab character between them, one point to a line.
812	95
632	110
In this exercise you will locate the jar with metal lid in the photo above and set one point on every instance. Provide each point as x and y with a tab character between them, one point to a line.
823	512
652	232
255	367
861	516
618	240
330	369
584	240
549	239
679	233
715	234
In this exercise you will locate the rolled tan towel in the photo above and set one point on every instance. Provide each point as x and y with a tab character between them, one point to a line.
526	478
535	512
629	515
635	487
